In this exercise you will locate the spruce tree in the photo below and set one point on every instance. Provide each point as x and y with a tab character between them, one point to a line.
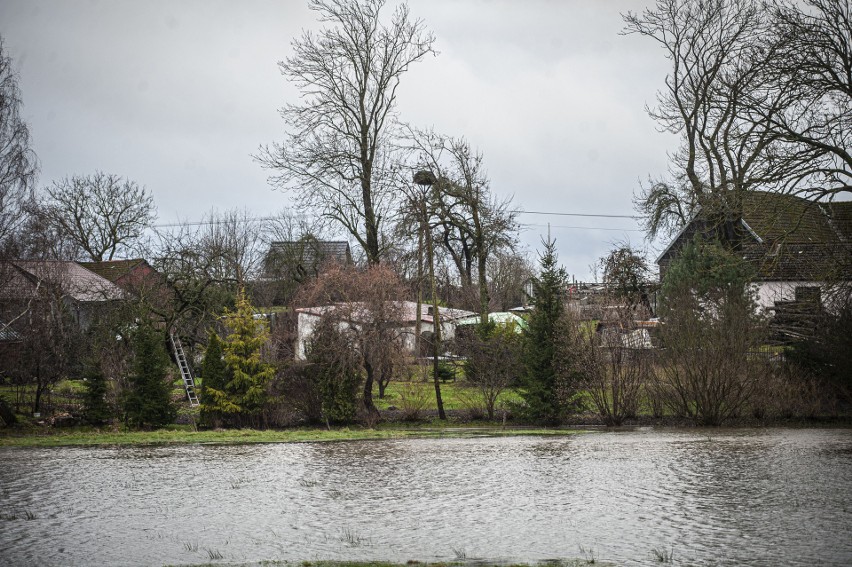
243	396
96	410
214	376
148	402
539	392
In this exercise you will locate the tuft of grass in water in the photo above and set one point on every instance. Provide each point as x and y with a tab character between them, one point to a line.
307	483
352	538
460	554
588	554
213	554
663	555
16	514
236	482
190	546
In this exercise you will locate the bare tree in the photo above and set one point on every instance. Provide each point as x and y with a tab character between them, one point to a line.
18	163
338	155
470	220
508	274
760	95
231	240
367	303
48	333
495	360
196	279
719	52
813	68
627	276
101	213
606	365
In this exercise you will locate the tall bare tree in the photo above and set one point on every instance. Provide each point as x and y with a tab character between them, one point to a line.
337	155
760	95
471	222
508	275
719	50
102	213
18	163
232	242
813	67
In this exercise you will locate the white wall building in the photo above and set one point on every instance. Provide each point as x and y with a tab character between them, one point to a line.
351	314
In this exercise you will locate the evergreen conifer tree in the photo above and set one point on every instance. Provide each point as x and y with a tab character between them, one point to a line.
242	397
96	409
540	393
148	402
214	376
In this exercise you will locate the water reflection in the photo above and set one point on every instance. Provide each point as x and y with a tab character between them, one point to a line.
714	497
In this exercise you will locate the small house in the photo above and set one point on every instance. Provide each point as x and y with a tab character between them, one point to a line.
795	246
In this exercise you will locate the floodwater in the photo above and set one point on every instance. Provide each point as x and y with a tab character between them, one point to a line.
703	496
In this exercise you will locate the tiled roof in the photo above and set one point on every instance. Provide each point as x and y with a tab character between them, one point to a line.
791	239
841	218
113	270
800	261
776	217
308	254
75	281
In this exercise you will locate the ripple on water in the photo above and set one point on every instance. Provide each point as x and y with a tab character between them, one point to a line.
744	497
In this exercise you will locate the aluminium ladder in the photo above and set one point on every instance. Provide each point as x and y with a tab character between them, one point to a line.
185	371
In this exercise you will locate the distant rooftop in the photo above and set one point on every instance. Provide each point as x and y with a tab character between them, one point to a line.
311	251
113	270
76	281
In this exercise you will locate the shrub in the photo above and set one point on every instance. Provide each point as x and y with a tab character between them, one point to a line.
608	370
413	399
710	328
334	369
494	361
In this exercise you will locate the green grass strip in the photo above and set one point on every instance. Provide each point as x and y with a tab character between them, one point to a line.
89	437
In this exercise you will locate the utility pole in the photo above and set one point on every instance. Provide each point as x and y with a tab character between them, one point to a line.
427	179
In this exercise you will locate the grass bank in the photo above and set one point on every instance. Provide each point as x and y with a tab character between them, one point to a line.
85	436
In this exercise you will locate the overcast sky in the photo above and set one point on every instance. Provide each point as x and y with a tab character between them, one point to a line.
177	95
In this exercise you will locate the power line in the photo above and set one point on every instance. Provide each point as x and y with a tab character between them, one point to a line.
268	219
577	215
585	227
220	221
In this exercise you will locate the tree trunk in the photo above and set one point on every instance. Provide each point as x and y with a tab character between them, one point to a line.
484	299
368	390
370	224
